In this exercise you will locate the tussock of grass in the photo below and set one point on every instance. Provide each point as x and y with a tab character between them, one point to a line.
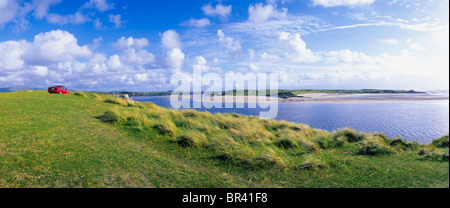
350	134
434	154
270	157
81	94
403	144
117	101
112	115
97	97
191	139
441	142
311	163
166	128
373	145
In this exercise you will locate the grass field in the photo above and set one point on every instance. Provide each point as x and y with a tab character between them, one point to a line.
91	140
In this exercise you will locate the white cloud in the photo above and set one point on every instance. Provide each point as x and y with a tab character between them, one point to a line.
351	57
11	53
349	3
200	62
116	20
56	58
135	43
114	62
389	41
253	67
414	45
98	25
261	13
54	46
96	43
295	47
175	59
231	44
100	5
198	22
170	40
220	10
41	71
41	7
75	19
8	10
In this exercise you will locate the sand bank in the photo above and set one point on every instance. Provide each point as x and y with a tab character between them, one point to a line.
332	98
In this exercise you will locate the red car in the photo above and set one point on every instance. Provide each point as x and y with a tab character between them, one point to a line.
58	89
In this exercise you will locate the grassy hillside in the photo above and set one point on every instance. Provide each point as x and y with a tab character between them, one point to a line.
90	140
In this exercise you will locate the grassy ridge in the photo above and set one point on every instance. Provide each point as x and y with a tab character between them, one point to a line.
91	140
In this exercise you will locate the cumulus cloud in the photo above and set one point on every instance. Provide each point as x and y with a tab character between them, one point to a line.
41	71
261	13
114	62
175	59
220	10
54	46
349	3
170	40
8	10
230	43
116	20
295	47
132	50
100	5
75	19
347	56
41	7
135	43
198	22
11	53
56	58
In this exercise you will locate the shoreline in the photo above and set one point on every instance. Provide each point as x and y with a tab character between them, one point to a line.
335	98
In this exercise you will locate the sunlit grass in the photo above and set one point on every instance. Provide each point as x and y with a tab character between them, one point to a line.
51	140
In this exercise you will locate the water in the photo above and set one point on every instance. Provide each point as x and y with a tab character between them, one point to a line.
420	121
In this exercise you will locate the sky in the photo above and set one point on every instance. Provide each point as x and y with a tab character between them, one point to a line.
138	45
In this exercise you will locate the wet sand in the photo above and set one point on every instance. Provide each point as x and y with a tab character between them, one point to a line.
333	98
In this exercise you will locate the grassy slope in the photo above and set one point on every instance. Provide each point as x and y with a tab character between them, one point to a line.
60	141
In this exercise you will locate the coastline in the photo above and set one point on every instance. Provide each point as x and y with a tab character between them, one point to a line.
333	98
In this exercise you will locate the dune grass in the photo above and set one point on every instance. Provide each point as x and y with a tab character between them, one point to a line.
106	142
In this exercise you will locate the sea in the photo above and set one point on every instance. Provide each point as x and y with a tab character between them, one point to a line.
420	121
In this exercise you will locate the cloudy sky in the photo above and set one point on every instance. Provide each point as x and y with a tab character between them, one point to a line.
138	45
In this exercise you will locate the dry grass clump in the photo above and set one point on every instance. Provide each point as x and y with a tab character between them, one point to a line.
117	101
270	157
81	94
112	115
373	145
403	144
294	139
97	97
351	135
191	113
166	127
311	163
191	139
434	154
441	142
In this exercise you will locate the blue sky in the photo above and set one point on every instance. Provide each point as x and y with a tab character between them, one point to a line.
138	45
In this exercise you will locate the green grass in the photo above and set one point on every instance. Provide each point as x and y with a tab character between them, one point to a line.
51	140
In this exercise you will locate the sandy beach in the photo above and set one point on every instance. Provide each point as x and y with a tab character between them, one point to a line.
333	98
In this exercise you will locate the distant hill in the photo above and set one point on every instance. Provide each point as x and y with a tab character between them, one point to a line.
17	88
